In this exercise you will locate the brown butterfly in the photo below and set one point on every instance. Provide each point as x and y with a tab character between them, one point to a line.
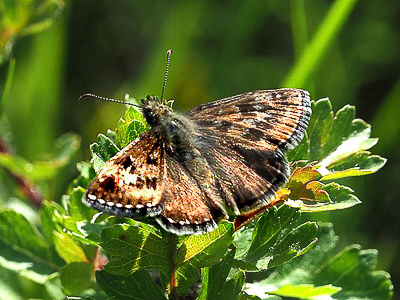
190	171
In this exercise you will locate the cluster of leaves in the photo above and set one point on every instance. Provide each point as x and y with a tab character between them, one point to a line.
275	256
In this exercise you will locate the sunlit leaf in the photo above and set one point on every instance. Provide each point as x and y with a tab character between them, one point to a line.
130	126
199	251
134	248
349	274
66	147
68	249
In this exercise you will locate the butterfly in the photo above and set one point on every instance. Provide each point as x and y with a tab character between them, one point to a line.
189	171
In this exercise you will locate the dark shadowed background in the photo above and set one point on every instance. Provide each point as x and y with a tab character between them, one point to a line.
346	50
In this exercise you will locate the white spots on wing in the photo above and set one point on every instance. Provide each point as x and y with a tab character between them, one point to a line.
139	206
110	203
130	178
91	197
149	204
170	220
101	201
119	205
182	222
250	123
258	107
217	122
129	206
187	222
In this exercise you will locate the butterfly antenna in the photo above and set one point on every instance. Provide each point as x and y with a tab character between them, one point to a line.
105	99
169	52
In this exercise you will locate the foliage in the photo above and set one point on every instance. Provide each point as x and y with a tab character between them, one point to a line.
61	249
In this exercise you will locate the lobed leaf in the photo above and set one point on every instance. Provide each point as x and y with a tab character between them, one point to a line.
131	126
274	240
133	248
349	274
337	142
199	251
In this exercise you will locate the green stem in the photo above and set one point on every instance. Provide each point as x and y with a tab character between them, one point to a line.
320	44
7	86
172	249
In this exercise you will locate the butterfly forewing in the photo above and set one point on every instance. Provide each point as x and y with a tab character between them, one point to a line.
132	182
263	120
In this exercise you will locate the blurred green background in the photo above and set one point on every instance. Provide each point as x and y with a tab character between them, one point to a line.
346	50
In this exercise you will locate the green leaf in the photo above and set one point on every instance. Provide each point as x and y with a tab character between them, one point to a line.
274	240
131	126
86	175
267	230
307	291
139	286
199	251
24	269
76	208
66	147
356	164
214	280
295	243
22	236
338	142
319	272
102	151
341	197
76	277
134	248
68	249
51	216
19	18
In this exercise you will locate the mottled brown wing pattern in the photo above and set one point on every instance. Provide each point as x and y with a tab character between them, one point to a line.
248	178
244	137
132	182
184	202
262	120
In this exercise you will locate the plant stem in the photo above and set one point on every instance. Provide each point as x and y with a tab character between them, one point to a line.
172	248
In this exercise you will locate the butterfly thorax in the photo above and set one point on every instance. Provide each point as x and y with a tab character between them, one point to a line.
175	128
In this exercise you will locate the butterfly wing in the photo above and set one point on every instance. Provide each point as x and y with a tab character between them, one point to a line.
131	183
184	206
244	138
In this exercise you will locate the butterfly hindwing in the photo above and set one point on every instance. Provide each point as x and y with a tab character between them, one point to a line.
132	182
184	204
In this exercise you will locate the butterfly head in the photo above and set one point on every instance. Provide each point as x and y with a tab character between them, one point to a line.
154	110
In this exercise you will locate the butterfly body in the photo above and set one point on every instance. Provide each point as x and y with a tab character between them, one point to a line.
189	171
